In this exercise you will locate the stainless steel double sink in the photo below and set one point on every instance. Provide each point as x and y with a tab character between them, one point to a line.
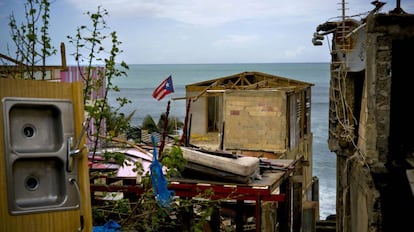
37	135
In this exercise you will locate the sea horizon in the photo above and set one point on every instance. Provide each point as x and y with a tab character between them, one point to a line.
304	62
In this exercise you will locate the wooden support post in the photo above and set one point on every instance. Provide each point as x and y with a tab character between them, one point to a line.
284	211
215	219
309	216
268	217
297	203
315	194
185	135
187	218
258	214
297	197
315	188
239	216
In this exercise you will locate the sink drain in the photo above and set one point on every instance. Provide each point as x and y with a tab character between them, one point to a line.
29	131
31	183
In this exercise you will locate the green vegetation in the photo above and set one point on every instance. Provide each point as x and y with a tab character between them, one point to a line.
89	46
149	124
31	38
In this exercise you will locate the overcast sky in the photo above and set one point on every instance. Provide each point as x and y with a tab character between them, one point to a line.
200	31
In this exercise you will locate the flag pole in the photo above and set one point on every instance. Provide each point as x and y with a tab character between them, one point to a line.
164	129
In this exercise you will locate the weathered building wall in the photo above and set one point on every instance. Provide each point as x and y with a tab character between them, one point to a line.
371	186
378	87
357	196
362	200
255	120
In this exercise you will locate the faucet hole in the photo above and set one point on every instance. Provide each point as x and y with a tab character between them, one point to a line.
29	131
31	183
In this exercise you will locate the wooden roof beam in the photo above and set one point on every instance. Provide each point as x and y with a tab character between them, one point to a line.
246	80
234	85
257	85
21	67
205	90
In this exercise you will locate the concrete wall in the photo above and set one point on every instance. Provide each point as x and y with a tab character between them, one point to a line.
255	120
369	192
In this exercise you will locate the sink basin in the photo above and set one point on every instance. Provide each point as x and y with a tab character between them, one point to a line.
36	135
37	182
35	127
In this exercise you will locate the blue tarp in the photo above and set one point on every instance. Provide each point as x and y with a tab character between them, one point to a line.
159	182
110	226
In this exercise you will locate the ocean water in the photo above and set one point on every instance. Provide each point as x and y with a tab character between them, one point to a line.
143	79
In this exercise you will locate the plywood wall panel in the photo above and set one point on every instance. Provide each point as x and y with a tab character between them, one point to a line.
62	221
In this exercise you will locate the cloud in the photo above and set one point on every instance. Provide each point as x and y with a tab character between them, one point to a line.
170	31
215	13
294	53
234	41
209	12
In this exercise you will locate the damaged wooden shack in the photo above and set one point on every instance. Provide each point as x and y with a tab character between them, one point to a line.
247	138
254	114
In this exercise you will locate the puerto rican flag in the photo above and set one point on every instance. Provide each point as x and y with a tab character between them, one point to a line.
166	87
